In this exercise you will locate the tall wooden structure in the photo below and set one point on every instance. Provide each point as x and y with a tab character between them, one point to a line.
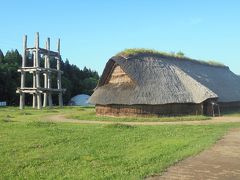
37	71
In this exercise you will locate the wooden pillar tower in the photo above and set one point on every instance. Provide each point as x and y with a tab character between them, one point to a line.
37	71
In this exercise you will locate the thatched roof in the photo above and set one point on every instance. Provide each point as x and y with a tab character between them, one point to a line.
164	79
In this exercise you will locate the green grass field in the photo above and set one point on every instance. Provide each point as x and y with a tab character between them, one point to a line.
89	114
33	149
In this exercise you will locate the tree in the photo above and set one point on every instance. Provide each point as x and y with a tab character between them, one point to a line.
1	56
13	58
10	78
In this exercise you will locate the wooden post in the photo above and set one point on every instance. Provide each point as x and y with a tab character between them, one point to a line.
58	50
24	51
45	78
34	101
22	95
219	113
49	84
213	110
59	81
39	97
21	101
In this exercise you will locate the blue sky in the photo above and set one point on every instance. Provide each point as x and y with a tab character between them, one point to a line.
93	31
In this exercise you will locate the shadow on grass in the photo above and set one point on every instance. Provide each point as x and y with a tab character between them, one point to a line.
7	120
120	126
41	124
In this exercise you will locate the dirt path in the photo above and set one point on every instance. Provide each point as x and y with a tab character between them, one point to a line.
216	120
222	162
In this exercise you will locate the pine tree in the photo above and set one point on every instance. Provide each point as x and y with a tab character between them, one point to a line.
1	56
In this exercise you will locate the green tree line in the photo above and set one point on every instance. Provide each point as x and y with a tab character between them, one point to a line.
74	80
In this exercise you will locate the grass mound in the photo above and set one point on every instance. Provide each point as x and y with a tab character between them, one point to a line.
151	52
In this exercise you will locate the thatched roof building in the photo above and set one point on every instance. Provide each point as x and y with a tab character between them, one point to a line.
148	82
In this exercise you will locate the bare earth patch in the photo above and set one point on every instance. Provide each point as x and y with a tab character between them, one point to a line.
222	161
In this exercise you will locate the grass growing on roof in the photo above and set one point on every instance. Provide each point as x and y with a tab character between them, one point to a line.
152	52
215	63
33	149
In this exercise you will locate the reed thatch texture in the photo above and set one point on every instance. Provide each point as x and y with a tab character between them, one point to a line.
219	79
149	83
155	81
118	76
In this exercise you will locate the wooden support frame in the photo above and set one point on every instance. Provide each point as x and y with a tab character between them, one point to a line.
36	90
23	74
59	80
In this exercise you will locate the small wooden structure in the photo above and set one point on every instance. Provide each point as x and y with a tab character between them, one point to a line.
36	70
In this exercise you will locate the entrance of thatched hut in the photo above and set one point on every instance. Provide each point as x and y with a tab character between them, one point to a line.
211	107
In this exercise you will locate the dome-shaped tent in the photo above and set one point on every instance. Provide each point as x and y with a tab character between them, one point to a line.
79	100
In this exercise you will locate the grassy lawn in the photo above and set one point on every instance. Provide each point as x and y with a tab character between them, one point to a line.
89	114
32	149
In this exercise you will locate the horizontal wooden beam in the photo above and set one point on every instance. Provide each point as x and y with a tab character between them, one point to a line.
39	90
41	69
44	52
